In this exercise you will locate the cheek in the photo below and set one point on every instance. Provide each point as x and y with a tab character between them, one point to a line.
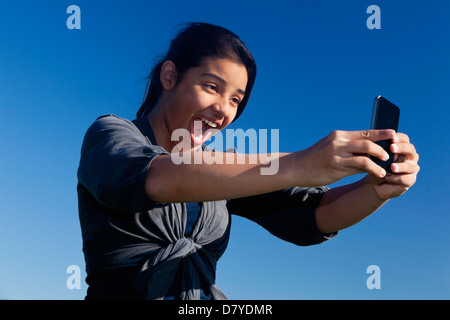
202	101
233	113
186	102
230	115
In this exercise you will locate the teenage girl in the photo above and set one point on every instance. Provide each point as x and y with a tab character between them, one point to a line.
155	229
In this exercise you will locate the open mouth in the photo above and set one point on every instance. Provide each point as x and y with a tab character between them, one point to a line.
202	130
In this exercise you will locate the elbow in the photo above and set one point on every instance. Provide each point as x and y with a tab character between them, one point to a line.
323	226
153	190
325	220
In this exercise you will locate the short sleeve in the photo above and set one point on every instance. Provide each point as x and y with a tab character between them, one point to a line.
288	214
115	159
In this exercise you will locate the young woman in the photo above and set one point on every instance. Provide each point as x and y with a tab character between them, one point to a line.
155	229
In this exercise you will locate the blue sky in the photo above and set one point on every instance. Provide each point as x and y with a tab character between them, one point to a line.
319	68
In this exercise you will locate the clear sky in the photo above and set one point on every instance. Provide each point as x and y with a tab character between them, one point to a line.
319	69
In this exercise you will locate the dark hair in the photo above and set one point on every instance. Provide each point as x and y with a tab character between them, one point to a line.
192	44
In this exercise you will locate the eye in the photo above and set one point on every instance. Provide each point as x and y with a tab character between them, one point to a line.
211	87
235	100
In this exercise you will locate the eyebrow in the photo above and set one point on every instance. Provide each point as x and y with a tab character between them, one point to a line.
207	74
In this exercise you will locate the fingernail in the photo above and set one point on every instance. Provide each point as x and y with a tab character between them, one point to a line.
383	173
386	156
394	148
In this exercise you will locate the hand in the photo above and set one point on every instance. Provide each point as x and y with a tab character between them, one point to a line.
341	154
404	170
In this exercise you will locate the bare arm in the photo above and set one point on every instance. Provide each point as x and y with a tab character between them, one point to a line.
170	182
331	159
345	206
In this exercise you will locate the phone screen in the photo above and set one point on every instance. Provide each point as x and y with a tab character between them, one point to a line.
385	115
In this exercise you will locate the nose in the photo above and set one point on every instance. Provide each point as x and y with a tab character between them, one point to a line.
218	110
222	108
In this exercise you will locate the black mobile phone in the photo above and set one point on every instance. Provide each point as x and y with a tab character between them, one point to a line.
385	115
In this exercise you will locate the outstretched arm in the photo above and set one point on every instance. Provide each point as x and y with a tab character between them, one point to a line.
340	154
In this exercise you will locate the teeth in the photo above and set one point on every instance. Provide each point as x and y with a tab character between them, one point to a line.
209	123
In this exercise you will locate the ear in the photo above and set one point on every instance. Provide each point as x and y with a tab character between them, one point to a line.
168	76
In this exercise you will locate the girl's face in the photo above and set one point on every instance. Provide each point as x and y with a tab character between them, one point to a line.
207	97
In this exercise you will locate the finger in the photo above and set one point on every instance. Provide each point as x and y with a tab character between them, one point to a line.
405	167
406	149
367	147
401	137
406	180
374	135
364	164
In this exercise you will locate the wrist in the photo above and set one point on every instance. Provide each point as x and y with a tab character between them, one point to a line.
300	170
371	183
311	170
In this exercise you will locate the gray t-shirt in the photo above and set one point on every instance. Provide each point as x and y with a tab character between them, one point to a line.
139	249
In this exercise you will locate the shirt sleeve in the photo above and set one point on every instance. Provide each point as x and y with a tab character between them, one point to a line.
115	158
288	214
